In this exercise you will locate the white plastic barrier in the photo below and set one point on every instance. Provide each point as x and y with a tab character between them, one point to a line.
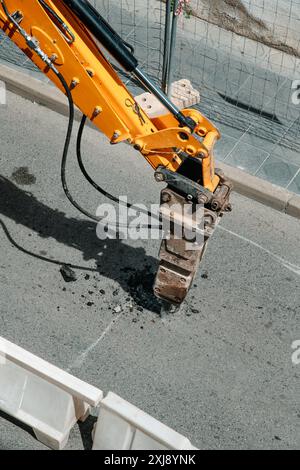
43	396
122	426
2	93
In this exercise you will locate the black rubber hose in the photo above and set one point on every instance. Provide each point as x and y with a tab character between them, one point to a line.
40	257
93	183
100	28
58	19
66	151
82	167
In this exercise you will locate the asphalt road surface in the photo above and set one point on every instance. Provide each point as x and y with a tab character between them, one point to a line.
219	370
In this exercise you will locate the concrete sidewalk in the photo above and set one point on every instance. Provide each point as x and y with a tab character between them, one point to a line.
218	371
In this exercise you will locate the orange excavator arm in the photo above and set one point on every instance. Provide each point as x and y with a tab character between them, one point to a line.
68	40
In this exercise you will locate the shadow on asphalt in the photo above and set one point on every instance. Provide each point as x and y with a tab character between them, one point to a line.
131	267
86	432
17	423
85	428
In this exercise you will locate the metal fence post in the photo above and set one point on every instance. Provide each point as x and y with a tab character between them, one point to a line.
169	44
172	46
168	21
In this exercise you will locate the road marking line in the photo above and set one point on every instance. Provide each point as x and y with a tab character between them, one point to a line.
292	267
82	357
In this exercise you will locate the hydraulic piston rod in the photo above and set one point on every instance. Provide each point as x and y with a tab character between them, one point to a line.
120	50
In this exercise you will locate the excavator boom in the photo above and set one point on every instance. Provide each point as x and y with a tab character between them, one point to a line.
71	43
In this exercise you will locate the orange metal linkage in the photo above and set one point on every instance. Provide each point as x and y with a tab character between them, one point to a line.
100	94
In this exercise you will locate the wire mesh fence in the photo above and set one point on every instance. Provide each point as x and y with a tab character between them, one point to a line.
246	53
139	22
243	56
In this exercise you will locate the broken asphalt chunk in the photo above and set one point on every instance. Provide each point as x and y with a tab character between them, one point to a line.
68	274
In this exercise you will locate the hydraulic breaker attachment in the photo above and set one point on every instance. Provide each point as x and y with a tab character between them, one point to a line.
189	214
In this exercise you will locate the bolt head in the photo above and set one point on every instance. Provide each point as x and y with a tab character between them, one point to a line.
202	199
116	135
201	155
165	197
159	177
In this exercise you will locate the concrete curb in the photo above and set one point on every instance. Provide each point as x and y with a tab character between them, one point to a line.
245	184
263	191
35	90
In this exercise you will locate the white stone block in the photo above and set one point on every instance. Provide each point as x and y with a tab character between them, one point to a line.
183	95
184	91
42	396
122	426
